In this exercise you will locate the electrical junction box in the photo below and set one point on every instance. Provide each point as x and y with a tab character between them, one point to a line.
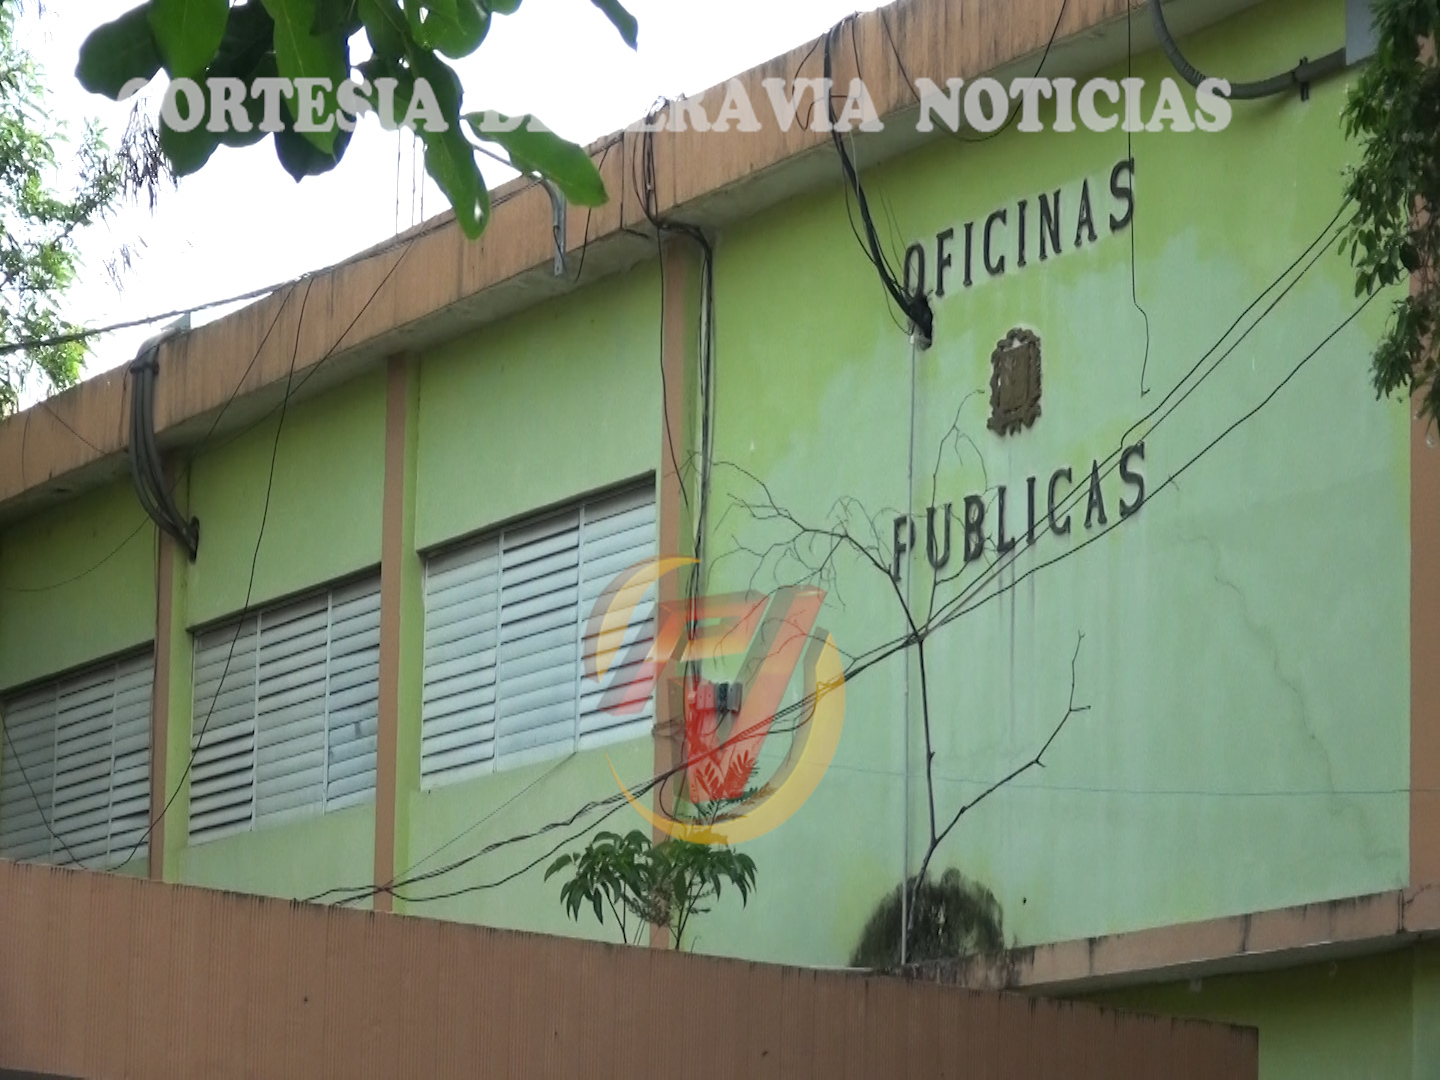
1359	31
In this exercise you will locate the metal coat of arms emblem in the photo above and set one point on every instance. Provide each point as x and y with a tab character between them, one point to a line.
1015	382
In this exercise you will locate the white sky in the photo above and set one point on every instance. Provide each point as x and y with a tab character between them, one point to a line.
241	223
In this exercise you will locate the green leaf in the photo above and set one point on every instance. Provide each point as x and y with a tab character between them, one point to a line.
333	15
534	148
300	54
301	157
385	26
453	27
247	49
622	20
118	52
188	33
188	151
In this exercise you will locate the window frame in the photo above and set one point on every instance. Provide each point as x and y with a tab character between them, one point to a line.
433	774
124	844
361	588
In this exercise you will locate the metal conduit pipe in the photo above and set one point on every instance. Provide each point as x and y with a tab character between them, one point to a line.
146	467
1298	77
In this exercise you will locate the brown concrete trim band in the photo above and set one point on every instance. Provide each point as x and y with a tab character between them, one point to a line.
112	976
1282	937
432	283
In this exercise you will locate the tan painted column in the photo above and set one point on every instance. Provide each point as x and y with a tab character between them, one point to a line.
160	699
170	705
679	478
1424	658
397	759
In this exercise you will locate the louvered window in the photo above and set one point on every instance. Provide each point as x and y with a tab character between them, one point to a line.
504	622
292	728
75	767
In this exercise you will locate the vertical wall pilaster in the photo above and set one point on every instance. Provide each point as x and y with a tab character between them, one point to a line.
678	475
165	575
170	710
401	631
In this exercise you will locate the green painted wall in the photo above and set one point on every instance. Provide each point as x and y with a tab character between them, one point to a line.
542	408
77	584
295	861
453	823
1350	1019
1245	656
323	523
323	520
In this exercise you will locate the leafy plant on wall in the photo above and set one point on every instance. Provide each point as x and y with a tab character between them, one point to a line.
409	40
1393	110
643	884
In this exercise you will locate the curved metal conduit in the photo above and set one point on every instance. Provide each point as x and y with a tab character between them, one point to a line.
146	468
1298	77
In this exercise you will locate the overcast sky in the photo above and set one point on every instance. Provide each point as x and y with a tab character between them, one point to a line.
242	223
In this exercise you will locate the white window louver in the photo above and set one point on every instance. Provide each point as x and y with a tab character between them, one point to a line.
504	639
292	731
75	767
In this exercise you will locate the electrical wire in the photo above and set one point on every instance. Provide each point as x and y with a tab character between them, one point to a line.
249	592
39	807
1011	114
855	669
914	305
1314	250
214	424
1297	78
1135	206
264	517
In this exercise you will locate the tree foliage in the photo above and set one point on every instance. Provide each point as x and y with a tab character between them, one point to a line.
409	40
38	223
643	884
1393	110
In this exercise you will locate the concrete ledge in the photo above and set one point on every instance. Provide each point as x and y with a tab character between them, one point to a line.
1260	941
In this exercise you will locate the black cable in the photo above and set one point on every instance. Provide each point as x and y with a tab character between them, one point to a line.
245	610
173	487
915	305
880	653
85	333
68	427
39	809
1297	78
1010	113
1134	211
83	573
249	592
